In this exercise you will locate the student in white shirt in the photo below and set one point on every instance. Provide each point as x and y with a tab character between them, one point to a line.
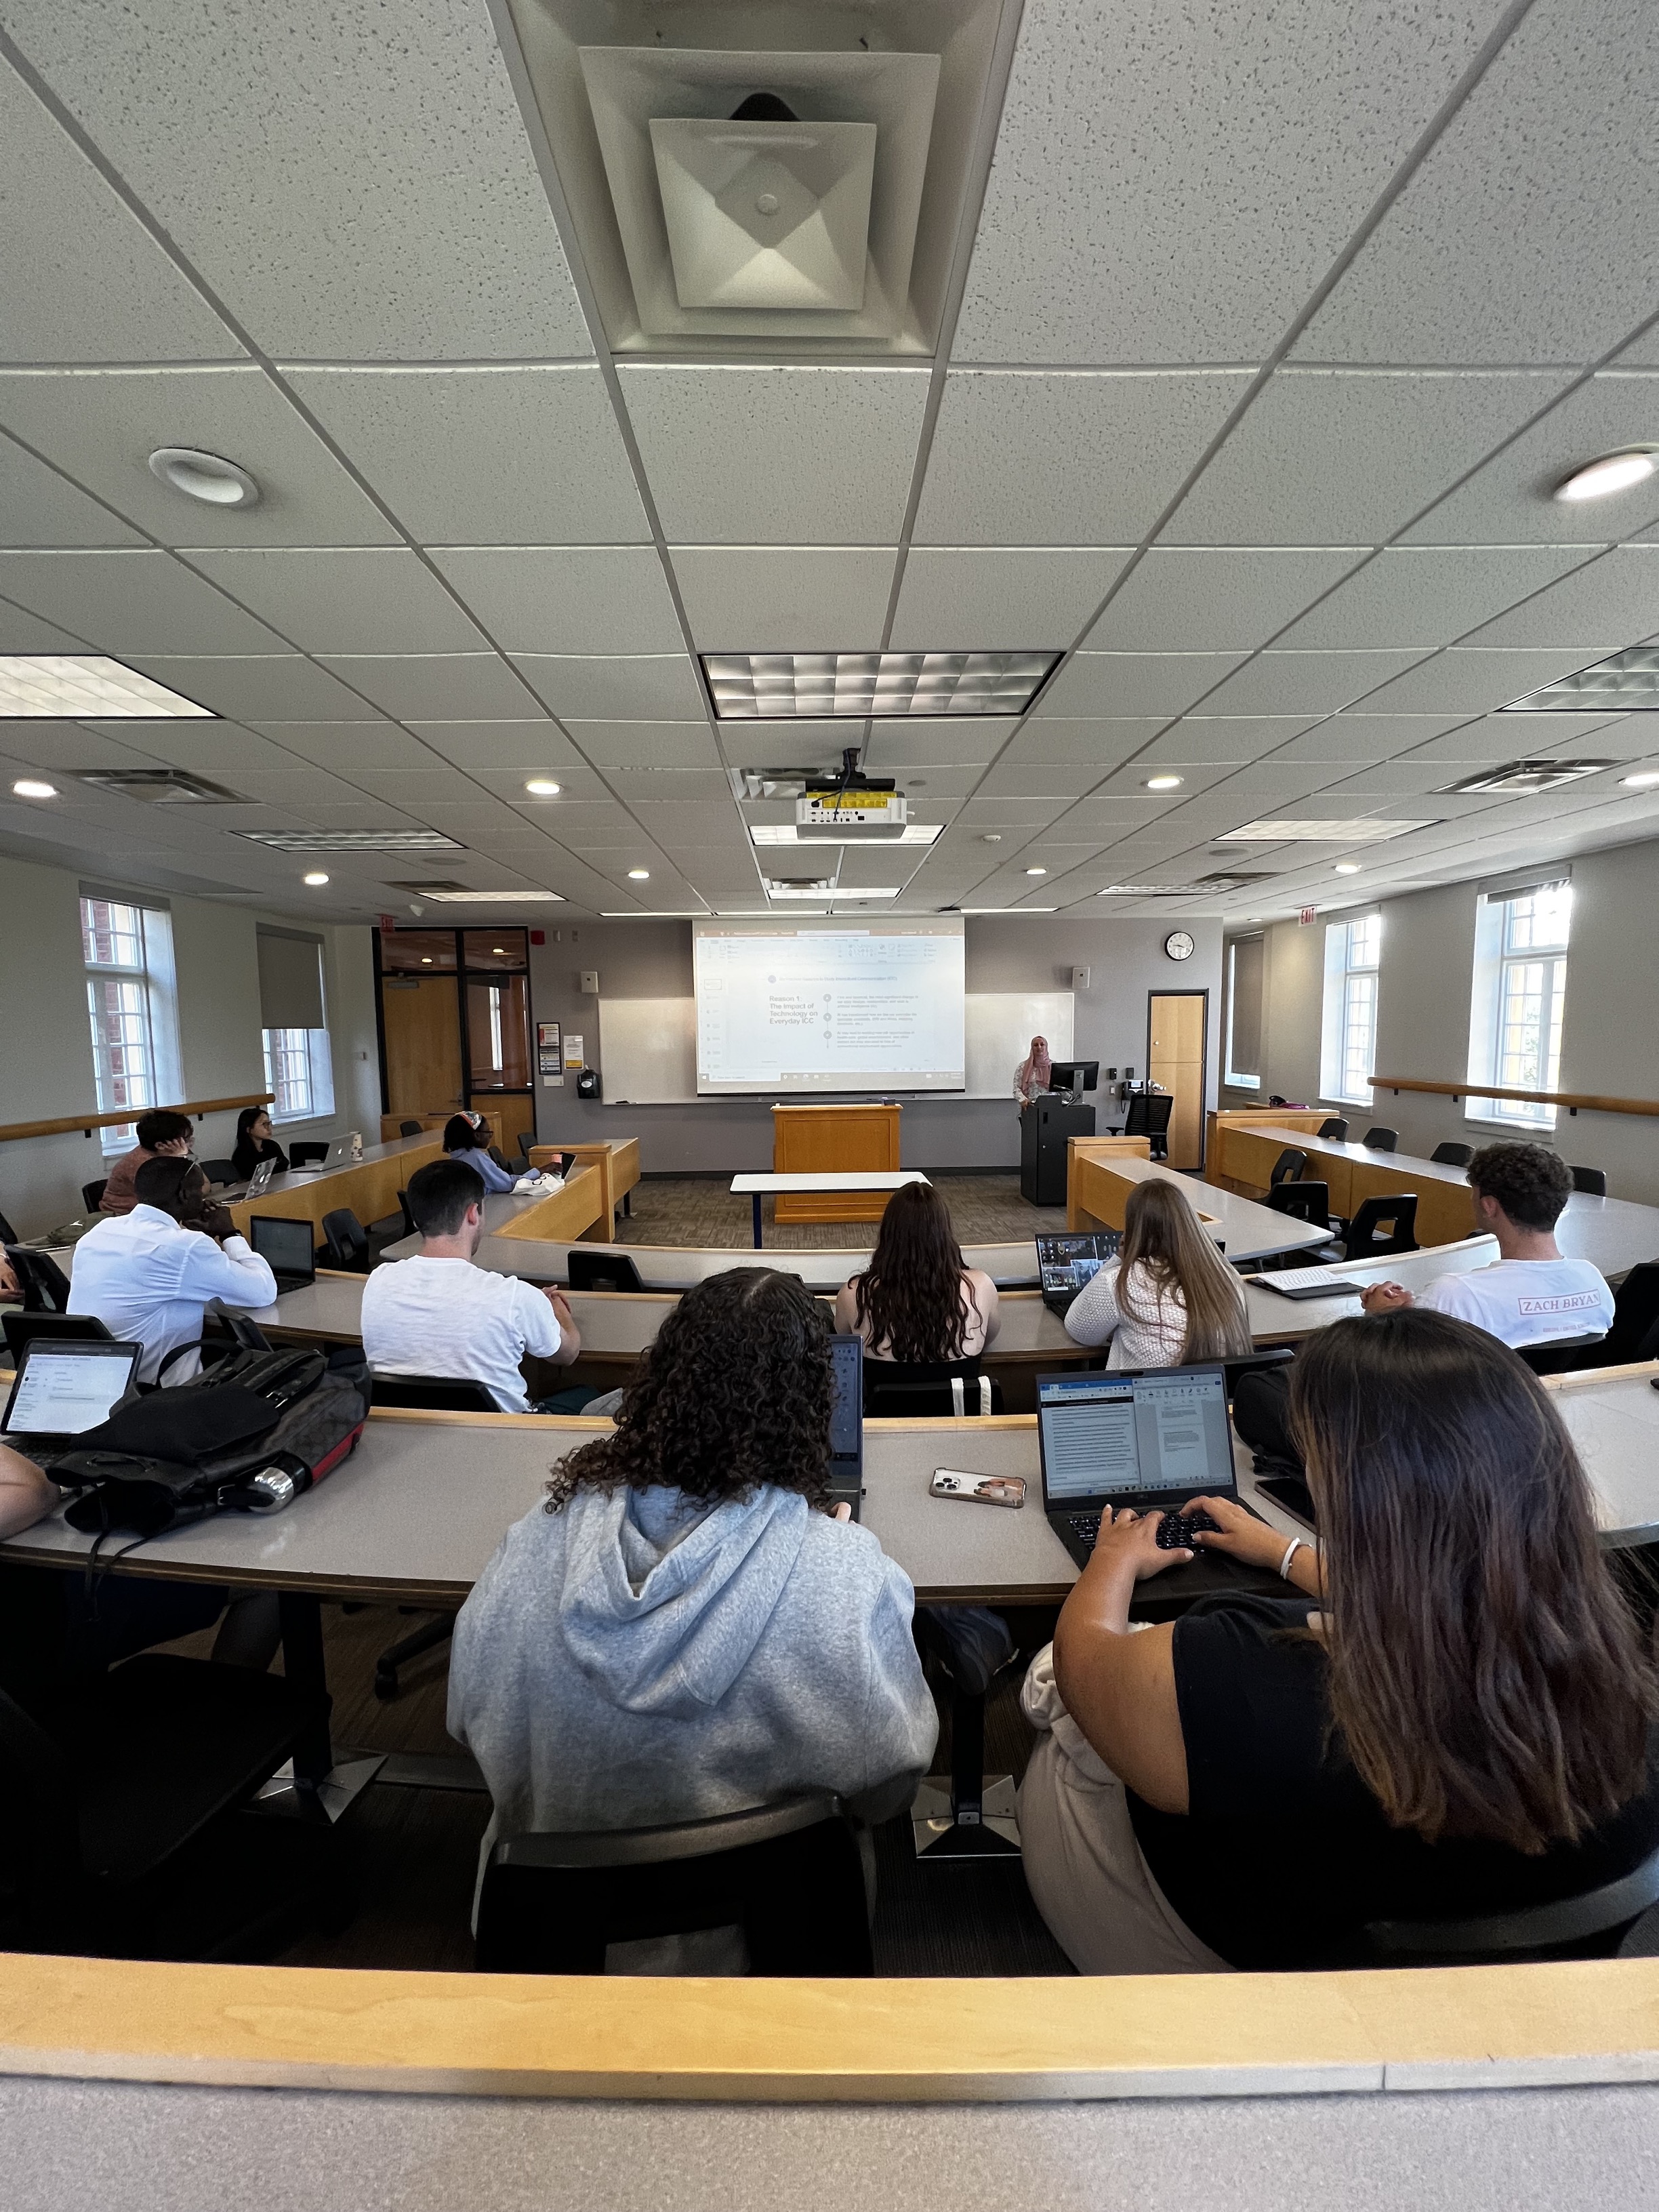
1531	1295
1170	1298
148	1275
439	1313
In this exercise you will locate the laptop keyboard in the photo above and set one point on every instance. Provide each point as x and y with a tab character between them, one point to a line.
1175	1531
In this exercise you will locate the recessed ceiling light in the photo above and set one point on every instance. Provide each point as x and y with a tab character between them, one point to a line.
1347	868
542	786
1612	472
1164	782
316	878
67	687
32	787
425	960
1037	871
992	838
1641	779
204	477
639	875
785	686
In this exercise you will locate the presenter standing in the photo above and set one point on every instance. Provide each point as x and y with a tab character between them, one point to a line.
1031	1077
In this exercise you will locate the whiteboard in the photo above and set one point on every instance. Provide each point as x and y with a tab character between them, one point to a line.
649	1051
1000	1025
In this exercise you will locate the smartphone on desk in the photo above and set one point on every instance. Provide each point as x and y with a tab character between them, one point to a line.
978	1489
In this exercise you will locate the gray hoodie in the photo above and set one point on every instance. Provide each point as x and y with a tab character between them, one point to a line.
639	1657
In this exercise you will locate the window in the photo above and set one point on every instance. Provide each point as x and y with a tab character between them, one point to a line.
299	1064
1520	996
1353	953
128	951
1245	957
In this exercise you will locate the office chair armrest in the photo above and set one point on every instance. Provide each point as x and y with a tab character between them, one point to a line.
1531	1927
681	1839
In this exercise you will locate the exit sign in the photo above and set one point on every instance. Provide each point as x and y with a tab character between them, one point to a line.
1305	917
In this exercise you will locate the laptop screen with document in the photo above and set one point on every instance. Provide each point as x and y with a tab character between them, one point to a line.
62	1390
1145	1431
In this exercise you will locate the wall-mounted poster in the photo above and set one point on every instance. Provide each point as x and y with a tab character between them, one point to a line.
549	1055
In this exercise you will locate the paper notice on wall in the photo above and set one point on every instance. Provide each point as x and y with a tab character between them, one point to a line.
549	1055
573	1051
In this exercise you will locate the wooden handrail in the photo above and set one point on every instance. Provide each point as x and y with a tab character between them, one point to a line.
1592	1101
88	1122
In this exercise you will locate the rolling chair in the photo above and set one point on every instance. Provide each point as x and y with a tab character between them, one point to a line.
21	1329
92	1191
1592	1181
219	1172
412	1128
1289	1163
1634	1335
443	1394
928	1390
1300	1202
602	1271
1563	1355
499	1157
1452	1155
557	1904
1148	1116
305	1153
43	1282
1380	1140
1335	1131
410	1227
352	1246
974	1816
1598	1923
1379	1226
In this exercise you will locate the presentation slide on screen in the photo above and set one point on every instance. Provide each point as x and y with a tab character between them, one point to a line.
829	1005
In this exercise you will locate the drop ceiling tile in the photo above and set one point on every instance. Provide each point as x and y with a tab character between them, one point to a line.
68	745
81	278
666	818
1602	607
645	744
23	632
801	598
1508	502
576	599
1033	458
1039	779
1236	738
222	750
790	456
660	687
575	779
1120	684
1206	599
1305	683
280	687
1514	737
1403	780
670	787
971	599
1428	595
436	686
1133	778
1010	813
936	790
522	745
1527	233
386	202
1348	456
346	747
1363	736
962	741
1244	147
790	745
326	599
1475	678
131	603
528	456
1103	740
39	507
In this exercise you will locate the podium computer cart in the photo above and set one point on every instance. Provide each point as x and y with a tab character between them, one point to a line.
1045	1129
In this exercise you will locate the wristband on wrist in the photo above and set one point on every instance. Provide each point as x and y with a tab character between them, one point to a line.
1297	1544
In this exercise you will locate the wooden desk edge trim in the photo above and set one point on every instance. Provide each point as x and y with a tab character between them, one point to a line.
997	2041
1593	1102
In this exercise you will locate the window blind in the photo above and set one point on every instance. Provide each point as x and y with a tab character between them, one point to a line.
1244	1036
290	981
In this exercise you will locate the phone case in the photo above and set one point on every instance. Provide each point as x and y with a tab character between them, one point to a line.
1008	1490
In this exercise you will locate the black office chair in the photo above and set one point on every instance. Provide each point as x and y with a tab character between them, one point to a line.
602	1271
124	1818
1452	1155
1256	1363
1289	1163
219	1172
1635	1332
412	1128
92	1191
352	1246
1301	1201
8	1233
1380	1141
787	1878
929	1390
498	1155
1597	1923
974	1818
1563	1355
1336	1130
21	1329
1381	1225
42	1281
1592	1181
410	1228
1149	1116
305	1153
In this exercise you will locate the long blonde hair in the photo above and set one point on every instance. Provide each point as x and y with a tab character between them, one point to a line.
1161	1233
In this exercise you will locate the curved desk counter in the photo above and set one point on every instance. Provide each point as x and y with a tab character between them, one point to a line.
1098	1183
369	1186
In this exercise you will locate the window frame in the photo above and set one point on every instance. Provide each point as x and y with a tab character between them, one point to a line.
1502	956
150	975
1349	980
1231	1078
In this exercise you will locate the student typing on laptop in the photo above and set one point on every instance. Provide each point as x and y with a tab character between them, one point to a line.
1171	1297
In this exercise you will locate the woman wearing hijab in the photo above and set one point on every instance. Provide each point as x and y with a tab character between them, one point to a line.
1031	1077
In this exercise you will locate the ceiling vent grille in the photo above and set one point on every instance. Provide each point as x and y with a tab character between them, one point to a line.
160	787
1525	777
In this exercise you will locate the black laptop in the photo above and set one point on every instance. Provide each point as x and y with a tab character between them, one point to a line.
65	1386
1149	1437
288	1248
845	1469
1065	1263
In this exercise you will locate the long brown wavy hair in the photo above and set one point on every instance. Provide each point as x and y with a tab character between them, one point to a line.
910	1295
734	1393
1486	1675
1161	1233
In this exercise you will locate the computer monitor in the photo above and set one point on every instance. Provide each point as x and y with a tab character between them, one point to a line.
1075	1075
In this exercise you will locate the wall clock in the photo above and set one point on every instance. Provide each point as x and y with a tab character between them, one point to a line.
1179	945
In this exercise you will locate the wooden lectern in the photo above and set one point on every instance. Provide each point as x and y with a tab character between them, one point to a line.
836	1140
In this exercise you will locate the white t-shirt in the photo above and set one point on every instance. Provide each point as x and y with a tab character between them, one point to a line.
447	1317
1525	1301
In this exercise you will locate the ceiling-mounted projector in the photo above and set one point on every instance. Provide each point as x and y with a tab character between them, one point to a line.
852	808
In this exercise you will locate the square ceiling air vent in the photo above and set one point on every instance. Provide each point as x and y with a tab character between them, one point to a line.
1228	879
160	787
1525	777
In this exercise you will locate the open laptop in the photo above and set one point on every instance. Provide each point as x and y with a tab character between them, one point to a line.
259	1181
65	1386
845	1469
288	1248
1147	1437
1065	1263
339	1153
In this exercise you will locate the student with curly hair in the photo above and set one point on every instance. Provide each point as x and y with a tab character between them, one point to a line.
918	1299
684	1628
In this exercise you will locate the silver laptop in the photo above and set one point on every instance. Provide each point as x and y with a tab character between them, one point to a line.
65	1386
260	1181
339	1153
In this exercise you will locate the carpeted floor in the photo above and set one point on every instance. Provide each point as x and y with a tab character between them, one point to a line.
987	1209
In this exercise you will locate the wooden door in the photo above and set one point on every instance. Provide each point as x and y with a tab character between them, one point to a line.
422	1017
1176	1022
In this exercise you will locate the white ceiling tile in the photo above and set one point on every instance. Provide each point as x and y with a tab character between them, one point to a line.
346	747
960	741
220	750
935	791
1207	599
789	456
522	746
129	603
1527	233
385	204
1009	812
1601	608
794	744
23	632
668	787
528	456
1039	779
38	507
329	599
1343	457
1473	680
1243	148
81	278
647	745
651	687
1234	737
575	780
1398	779
1305	683
1134	684
1030	458
1106	741
585	599
782	599
433	686
698	819
1426	596
1363	737
960	599
281	687
1514	737
66	744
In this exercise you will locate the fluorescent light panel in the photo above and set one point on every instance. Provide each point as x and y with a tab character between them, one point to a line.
786	833
492	898
776	687
1625	682
55	687
1362	829
826	898
353	841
